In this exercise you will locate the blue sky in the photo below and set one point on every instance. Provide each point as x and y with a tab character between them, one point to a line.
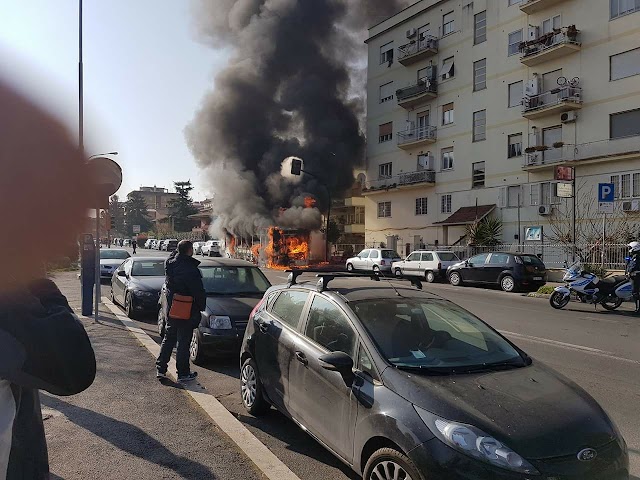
144	77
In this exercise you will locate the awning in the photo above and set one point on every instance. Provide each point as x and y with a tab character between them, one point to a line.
467	215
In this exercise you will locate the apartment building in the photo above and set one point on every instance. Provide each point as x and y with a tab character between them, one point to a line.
157	200
473	104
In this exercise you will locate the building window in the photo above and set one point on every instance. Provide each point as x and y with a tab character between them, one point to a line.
479	125
515	94
623	7
445	203
421	206
636	185
615	179
477	174
358	215
542	194
514	196
624	124
447	114
385	170
386	92
514	42
385	133
515	145
448	70
447	158
386	53
447	23
384	209
427	74
626	185
550	24
480	75
425	162
480	28
625	64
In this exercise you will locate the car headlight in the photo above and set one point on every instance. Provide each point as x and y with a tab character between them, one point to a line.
473	442
143	294
219	322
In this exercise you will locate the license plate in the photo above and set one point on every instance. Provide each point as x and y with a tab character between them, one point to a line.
537	278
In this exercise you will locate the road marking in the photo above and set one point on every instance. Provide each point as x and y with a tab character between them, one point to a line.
266	461
570	346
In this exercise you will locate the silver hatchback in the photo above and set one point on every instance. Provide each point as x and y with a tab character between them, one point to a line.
373	259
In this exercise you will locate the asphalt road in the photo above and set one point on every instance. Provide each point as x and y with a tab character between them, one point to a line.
597	349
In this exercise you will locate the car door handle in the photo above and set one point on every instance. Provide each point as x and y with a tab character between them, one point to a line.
263	326
302	358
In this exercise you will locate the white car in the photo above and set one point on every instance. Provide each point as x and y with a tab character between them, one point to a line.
148	244
428	264
373	259
211	248
197	248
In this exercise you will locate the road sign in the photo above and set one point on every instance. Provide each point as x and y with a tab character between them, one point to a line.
563	173
136	228
606	196
533	234
564	190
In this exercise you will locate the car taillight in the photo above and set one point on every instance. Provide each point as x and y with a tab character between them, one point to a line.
255	309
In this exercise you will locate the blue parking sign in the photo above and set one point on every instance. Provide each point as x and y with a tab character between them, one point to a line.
605	192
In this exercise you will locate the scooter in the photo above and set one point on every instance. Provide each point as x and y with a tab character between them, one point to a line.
609	292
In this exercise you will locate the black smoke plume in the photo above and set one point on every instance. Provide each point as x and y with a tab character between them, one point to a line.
293	87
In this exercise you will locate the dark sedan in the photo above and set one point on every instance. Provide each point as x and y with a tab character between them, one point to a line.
136	285
509	271
402	384
234	288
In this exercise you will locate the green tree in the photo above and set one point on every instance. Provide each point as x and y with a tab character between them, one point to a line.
181	207
486	232
116	210
334	232
136	213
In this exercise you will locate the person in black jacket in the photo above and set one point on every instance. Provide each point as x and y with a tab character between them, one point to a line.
184	278
633	270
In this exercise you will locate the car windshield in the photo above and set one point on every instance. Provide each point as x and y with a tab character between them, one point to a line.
150	268
230	280
434	336
532	260
389	254
448	257
114	254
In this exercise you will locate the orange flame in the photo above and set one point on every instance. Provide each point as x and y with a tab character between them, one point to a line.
232	244
284	251
309	202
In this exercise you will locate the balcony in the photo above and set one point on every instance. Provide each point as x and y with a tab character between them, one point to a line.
550	46
558	100
415	179
533	6
422	91
354	228
624	148
417	50
416	137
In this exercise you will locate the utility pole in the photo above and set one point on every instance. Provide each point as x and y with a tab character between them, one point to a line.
575	194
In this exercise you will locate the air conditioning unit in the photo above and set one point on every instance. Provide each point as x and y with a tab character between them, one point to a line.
568	117
532	87
631	206
544	210
534	33
411	33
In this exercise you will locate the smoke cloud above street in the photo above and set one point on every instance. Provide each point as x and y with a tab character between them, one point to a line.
294	87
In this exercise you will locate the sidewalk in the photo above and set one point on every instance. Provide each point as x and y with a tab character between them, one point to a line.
129	425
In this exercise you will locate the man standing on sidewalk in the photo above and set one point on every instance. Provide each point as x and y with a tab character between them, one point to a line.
134	245
183	278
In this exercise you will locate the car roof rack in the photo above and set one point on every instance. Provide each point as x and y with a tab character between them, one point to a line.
325	276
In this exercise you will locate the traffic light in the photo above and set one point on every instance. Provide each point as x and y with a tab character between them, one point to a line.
296	166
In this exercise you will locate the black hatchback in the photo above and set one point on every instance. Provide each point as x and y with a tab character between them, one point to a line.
510	271
402	384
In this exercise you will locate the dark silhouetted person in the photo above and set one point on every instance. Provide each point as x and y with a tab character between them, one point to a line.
43	345
134	245
184	278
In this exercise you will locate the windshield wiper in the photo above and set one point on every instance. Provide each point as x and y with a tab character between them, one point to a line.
496	366
425	369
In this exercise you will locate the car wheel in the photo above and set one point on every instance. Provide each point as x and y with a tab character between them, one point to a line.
390	464
161	323
455	279
398	273
251	391
376	269
195	348
430	277
349	267
128	307
508	284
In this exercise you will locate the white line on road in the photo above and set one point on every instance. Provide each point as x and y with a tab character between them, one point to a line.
258	453
570	346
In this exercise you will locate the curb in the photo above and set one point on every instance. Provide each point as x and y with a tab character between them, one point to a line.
539	295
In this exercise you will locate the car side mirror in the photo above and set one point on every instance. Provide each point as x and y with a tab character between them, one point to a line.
338	362
122	273
467	264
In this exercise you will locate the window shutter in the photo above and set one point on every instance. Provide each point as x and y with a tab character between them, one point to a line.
386	129
502	197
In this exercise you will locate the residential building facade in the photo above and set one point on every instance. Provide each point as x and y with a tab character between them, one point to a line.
157	200
474	104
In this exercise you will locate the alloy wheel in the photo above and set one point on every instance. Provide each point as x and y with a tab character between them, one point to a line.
430	277
389	470
398	273
454	279
194	346
508	284
249	385
349	267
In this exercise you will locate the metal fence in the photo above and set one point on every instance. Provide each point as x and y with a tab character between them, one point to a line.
531	103
425	42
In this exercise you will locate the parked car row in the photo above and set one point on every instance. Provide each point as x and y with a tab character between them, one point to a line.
510	271
210	248
167	245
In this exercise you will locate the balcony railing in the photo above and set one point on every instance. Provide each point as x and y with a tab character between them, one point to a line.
423	86
550	46
425	46
565	95
591	151
427	133
402	180
533	6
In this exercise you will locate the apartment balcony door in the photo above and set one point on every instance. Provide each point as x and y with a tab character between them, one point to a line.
422	125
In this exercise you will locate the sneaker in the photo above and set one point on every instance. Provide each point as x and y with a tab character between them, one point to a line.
188	378
161	375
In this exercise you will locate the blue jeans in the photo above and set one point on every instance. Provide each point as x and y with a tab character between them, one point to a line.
180	332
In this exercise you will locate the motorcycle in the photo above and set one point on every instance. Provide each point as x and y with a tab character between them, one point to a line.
609	292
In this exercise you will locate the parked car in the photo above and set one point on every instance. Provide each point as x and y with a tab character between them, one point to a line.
110	259
156	244
427	264
136	285
171	245
373	259
162	245
148	244
510	271
234	288
126	242
197	248
400	384
211	248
